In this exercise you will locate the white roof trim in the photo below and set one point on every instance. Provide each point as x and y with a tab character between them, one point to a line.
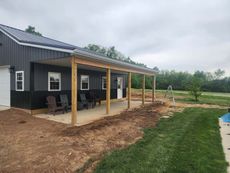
37	46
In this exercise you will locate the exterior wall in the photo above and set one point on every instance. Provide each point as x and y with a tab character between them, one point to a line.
40	90
20	57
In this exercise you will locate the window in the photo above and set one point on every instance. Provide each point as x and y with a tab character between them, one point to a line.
19	80
54	81
104	83
84	82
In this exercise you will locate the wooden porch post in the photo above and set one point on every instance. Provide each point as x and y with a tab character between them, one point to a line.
74	92
143	89
108	84
129	89
154	88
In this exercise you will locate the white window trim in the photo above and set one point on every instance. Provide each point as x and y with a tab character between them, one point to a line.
16	80
49	73
88	82
102	82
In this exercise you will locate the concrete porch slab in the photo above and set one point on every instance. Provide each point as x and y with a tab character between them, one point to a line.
87	116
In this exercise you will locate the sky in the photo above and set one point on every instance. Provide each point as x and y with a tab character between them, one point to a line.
181	35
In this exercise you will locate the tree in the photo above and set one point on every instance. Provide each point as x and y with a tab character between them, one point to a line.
156	69
219	74
31	29
194	88
111	52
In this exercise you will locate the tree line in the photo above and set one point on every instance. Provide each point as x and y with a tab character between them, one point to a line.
213	82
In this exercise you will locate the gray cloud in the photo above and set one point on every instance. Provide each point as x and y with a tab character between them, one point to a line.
181	34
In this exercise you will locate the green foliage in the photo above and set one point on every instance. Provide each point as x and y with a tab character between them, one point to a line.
180	80
219	74
194	88
188	142
111	52
31	29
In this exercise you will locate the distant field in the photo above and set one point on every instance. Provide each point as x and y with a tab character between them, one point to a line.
204	93
213	98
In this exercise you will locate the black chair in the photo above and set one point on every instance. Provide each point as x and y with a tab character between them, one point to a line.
65	102
83	102
93	99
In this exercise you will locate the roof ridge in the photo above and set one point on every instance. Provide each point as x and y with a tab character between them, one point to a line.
32	34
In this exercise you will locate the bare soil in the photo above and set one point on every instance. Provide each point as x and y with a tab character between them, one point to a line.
29	144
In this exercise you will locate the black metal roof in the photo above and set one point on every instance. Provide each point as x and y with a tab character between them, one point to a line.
25	37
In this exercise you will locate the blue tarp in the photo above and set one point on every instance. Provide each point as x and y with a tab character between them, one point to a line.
226	118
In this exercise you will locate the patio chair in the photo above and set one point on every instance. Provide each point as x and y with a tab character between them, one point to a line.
94	99
65	102
52	105
83	103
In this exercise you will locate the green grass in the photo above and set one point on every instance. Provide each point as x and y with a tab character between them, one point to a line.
222	99
189	142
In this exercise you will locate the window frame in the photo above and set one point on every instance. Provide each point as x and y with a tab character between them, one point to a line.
84	89
103	82
16	80
49	74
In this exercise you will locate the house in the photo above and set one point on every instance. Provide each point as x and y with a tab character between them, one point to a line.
33	67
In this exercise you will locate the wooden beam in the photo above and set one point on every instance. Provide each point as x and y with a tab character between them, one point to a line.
154	89
91	63
143	90
112	67
129	89
108	84
74	92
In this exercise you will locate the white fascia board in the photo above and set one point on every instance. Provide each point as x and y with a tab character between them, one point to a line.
37	46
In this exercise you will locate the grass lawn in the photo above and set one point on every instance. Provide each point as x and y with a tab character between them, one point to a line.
189	142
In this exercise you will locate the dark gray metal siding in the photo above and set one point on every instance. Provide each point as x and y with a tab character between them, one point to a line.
20	56
95	77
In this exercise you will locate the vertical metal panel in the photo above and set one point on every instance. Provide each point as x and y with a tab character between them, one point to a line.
20	56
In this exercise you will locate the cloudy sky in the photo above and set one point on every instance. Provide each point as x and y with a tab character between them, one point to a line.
183	35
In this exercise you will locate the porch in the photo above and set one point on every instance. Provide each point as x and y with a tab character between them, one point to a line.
87	116
82	60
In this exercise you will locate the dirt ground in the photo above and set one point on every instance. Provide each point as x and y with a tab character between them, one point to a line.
29	144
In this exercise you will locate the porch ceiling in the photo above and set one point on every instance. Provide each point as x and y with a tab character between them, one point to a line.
66	62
